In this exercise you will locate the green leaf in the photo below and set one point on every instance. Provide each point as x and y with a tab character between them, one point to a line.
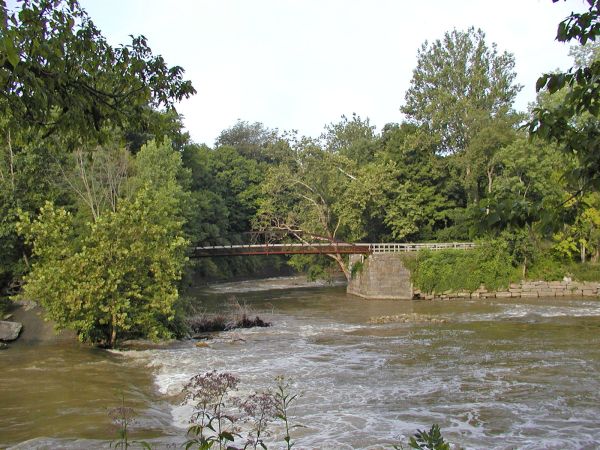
541	82
227	435
12	55
561	32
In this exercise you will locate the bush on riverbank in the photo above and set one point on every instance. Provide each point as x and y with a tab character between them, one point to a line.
460	270
492	264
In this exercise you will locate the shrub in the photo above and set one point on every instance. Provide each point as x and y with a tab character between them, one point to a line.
357	268
548	268
459	270
585	271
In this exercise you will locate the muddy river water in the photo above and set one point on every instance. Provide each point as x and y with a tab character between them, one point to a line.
495	373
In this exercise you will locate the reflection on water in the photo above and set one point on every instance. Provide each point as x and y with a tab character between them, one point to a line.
498	373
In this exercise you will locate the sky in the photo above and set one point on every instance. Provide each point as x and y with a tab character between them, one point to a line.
301	64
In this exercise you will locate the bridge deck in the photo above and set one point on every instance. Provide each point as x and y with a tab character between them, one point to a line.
322	248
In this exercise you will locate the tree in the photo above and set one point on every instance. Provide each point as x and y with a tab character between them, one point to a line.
305	198
224	190
588	225
436	191
29	175
64	89
355	139
236	179
480	161
573	122
457	81
527	182
98	177
255	141
58	72
115	274
582	236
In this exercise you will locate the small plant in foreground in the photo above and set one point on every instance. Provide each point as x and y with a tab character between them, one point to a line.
211	424
123	416
260	409
284	400
215	426
427	440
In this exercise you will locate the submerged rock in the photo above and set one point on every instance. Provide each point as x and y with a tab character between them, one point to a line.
9	331
406	318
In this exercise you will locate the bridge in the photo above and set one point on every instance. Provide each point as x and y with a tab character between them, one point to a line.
322	248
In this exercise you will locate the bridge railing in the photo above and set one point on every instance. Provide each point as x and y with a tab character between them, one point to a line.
324	248
291	245
411	247
280	249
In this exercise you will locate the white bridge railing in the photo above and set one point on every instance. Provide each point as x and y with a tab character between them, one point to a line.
410	247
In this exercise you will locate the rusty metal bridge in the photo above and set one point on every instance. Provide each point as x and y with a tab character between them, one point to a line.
322	248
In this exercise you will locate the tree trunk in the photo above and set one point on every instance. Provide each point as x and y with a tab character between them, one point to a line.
113	332
340	260
582	252
472	187
12	163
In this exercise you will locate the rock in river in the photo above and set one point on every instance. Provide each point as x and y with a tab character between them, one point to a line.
406	318
9	331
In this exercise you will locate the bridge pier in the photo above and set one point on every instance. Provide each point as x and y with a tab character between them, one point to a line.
382	276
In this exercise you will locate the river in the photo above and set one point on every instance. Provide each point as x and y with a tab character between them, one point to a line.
495	373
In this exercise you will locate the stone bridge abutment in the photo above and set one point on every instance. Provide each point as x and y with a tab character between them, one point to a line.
380	276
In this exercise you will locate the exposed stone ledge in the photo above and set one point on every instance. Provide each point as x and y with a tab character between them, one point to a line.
406	318
525	289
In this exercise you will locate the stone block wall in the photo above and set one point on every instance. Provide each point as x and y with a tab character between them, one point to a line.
566	288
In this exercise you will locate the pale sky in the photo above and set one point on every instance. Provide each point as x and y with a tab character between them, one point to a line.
301	64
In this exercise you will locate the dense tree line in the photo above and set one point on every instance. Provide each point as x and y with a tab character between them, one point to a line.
102	191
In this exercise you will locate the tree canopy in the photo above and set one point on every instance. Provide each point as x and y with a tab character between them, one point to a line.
114	273
57	71
573	122
459	80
